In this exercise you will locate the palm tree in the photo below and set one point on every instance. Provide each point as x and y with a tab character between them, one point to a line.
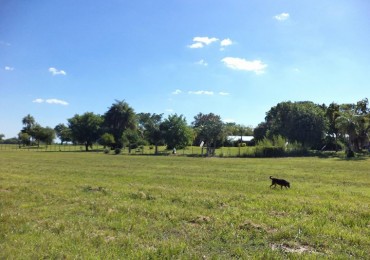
347	124
354	124
119	118
28	121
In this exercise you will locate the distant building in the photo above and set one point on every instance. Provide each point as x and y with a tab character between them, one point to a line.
236	138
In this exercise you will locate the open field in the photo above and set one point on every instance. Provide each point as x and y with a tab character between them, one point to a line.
92	205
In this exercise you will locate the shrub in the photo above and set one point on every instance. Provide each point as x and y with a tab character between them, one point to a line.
272	151
117	150
350	153
106	151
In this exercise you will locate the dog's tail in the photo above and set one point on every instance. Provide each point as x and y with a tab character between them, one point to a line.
270	177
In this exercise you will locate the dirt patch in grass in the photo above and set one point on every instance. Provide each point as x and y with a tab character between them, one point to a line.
94	189
200	220
297	249
249	225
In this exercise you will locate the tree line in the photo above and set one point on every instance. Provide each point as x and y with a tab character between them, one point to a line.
313	126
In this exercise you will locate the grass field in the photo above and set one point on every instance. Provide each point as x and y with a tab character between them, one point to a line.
92	205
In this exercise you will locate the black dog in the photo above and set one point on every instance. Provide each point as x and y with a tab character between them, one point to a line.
280	182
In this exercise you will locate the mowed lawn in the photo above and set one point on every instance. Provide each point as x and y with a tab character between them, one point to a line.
92	205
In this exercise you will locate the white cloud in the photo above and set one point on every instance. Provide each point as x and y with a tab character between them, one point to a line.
169	110
255	66
226	42
38	100
56	101
201	92
224	93
205	40
51	101
196	45
200	42
282	17
202	62
177	92
9	68
54	71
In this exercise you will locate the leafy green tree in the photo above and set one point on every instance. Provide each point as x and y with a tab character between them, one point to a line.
150	127
42	134
63	133
119	118
260	131
107	140
1	137
209	129
24	138
47	135
13	140
86	128
176	132
303	122
238	129
132	139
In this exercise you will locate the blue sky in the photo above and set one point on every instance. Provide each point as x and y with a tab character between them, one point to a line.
235	58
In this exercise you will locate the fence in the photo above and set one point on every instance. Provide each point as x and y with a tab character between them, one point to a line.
146	150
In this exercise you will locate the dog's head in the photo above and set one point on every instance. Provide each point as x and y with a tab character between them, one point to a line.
288	184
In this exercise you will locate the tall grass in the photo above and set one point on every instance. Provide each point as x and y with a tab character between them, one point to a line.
93	205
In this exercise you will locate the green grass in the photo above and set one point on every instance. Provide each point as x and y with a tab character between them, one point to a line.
93	205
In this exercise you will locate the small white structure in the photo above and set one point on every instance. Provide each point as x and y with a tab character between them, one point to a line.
236	138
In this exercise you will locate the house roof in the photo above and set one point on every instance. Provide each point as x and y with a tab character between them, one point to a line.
236	138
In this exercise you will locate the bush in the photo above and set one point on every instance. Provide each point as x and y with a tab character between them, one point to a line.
350	153
117	150
106	151
271	151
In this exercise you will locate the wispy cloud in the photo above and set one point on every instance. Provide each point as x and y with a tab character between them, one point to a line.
38	100
226	42
55	71
9	68
202	62
51	101
205	40
282	17
200	42
196	45
255	66
201	92
223	93
177	92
